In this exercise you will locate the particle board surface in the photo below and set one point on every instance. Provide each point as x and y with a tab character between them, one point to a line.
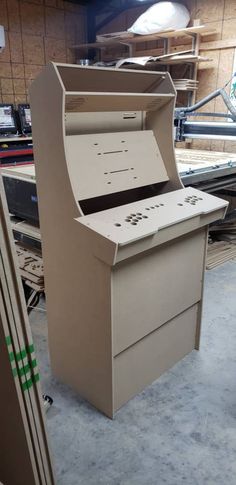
128	223
114	162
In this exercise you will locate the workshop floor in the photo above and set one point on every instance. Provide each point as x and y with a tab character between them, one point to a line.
180	430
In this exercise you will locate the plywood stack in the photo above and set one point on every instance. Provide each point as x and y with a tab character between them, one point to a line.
219	252
185	84
202	158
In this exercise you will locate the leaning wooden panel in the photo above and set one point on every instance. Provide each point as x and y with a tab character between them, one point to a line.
21	355
16	445
118	228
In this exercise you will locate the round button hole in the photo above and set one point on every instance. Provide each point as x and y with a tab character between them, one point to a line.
134	223
117	224
162	205
180	204
145	217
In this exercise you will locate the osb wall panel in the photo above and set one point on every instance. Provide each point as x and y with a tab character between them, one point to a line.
217	14
37	31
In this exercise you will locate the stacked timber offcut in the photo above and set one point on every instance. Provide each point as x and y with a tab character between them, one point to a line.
224	247
31	268
185	84
219	252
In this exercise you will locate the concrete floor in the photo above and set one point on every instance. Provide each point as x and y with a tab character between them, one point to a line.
180	430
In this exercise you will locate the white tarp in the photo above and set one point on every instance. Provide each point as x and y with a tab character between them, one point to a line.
161	16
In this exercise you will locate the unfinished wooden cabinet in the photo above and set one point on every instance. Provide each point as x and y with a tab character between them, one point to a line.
123	241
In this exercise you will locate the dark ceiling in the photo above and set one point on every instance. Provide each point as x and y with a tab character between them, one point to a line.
109	9
112	4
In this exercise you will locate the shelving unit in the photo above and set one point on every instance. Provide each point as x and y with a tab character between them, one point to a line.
131	41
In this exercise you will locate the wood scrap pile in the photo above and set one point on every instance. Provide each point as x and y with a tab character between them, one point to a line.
225	231
31	268
185	84
219	252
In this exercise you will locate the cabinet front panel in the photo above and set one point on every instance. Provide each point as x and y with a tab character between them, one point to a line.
149	290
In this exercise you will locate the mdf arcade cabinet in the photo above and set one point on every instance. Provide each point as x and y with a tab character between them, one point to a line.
123	242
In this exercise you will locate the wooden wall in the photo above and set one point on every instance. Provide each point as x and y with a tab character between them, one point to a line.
218	14
37	31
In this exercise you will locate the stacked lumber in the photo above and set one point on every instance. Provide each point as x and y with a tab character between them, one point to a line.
225	231
31	268
219	252
206	157
185	84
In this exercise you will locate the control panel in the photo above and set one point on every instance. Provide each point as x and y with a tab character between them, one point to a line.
131	222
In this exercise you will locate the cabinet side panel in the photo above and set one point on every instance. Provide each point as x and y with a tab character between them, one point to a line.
77	285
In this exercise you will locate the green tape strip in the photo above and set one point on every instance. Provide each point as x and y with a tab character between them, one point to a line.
26	367
24	370
36	378
14	372
30	348
21	355
12	356
8	340
23	352
27	384
33	363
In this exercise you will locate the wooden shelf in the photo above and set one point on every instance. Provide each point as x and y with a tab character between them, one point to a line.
131	41
137	39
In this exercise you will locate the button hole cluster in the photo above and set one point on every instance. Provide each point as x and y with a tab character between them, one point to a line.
192	199
154	207
133	219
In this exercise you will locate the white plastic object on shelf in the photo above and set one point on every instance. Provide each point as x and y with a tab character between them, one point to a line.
2	38
161	16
